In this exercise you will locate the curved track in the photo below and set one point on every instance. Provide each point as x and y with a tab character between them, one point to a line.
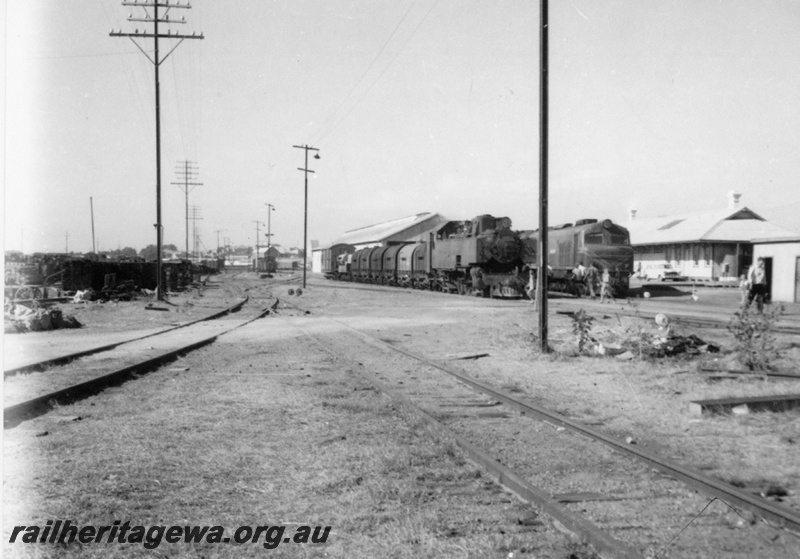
66	358
408	385
92	371
714	318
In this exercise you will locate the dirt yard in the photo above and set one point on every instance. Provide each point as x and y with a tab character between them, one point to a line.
266	428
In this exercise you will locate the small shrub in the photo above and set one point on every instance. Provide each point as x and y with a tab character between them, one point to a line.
755	337
582	328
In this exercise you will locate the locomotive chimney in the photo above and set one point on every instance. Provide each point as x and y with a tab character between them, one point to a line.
631	214
733	199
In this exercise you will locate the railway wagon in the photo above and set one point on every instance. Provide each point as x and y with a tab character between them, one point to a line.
413	267
331	266
603	244
389	265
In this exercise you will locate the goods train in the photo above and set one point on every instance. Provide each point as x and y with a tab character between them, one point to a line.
484	256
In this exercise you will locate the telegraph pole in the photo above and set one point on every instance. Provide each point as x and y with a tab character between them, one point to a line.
258	232
195	217
306	171
270	209
151	16
541	295
188	173
218	231
91	207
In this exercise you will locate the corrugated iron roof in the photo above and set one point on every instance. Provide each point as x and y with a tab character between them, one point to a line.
381	231
730	225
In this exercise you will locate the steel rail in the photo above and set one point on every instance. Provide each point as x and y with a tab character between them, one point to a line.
72	356
606	546
782	515
23	411
770	511
646	315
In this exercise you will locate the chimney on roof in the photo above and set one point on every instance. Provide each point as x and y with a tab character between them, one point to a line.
631	214
733	199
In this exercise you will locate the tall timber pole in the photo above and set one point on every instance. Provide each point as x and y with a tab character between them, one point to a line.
270	209
306	171
542	286
151	15
91	207
258	232
187	171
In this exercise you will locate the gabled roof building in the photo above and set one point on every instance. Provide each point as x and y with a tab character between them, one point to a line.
709	245
405	229
410	229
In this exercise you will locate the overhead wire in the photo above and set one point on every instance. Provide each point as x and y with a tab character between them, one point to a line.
330	129
331	117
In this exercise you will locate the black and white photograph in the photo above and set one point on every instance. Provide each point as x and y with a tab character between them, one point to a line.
401	279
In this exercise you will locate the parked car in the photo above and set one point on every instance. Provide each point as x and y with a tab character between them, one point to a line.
663	272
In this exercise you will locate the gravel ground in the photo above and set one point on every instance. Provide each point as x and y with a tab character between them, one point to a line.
266	428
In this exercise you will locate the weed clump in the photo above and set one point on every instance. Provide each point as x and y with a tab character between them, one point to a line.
753	332
582	328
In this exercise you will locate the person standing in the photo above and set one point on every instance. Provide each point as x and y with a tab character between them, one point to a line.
744	288
757	278
578	275
605	287
530	289
591	280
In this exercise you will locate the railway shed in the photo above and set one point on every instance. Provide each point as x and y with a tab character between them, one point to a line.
782	259
715	245
410	229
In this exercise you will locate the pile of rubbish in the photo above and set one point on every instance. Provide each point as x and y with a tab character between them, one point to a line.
661	343
653	345
19	318
123	291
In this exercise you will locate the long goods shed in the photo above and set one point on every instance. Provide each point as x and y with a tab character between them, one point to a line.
410	229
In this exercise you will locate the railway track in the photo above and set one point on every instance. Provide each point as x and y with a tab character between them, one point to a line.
67	357
620	496
635	309
89	372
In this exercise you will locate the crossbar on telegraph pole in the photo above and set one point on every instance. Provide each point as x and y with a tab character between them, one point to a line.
156	60
306	171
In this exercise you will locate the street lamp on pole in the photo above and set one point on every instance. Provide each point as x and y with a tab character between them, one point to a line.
306	171
258	232
270	209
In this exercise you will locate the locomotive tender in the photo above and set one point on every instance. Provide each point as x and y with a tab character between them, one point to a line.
484	256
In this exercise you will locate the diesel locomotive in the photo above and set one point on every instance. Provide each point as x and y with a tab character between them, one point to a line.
484	256
602	244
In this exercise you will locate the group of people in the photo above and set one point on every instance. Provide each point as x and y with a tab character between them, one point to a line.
596	281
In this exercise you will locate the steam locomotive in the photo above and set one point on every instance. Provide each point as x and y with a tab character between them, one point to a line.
484	256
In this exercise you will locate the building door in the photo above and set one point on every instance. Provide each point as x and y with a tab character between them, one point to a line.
797	280
768	273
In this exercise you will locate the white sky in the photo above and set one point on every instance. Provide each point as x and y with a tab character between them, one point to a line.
415	105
